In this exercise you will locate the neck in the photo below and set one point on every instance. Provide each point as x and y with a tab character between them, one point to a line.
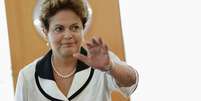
65	64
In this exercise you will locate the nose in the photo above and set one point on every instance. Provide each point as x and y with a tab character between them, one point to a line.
68	35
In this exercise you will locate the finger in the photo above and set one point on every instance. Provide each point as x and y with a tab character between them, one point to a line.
105	47
89	45
100	41
94	41
81	57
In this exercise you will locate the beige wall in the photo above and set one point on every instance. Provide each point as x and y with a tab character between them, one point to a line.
26	45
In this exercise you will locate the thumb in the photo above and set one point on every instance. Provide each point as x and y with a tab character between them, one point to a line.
81	57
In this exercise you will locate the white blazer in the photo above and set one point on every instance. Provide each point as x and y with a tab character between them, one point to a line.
36	83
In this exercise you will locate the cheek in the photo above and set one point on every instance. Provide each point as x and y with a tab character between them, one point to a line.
53	39
79	38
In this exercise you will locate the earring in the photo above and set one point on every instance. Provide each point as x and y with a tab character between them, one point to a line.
47	44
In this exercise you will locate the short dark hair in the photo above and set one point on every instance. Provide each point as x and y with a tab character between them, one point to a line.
50	7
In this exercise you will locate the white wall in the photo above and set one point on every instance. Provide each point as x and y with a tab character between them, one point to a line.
163	42
6	82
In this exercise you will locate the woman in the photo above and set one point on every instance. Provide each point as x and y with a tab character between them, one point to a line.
69	72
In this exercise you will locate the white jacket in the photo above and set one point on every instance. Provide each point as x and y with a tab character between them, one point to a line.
36	83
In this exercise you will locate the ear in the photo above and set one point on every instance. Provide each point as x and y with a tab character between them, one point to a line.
45	33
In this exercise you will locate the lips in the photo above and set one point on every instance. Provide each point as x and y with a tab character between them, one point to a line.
69	44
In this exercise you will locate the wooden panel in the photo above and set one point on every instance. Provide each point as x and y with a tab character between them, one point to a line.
26	45
106	23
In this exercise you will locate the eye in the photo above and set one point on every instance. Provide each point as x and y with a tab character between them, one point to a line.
59	29
75	28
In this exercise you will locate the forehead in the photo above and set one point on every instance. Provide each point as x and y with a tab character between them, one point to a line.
65	17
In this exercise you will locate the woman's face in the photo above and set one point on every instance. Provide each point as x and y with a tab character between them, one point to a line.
65	33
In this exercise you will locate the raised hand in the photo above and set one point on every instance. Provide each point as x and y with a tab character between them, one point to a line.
98	56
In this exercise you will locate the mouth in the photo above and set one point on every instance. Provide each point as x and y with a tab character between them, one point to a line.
70	44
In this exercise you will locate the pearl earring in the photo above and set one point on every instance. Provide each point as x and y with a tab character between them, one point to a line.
47	44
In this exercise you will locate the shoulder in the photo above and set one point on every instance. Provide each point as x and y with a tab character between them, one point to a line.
29	70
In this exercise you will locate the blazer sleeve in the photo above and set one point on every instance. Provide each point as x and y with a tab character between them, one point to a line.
112	85
21	92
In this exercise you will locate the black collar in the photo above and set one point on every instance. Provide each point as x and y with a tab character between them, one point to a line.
44	66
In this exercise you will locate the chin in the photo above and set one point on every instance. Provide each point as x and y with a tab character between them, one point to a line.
69	51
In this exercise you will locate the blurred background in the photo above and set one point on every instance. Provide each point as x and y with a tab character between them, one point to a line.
161	39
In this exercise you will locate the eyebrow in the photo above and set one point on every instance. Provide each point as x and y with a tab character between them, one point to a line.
58	25
64	25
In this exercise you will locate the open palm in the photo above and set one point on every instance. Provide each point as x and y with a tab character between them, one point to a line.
98	54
